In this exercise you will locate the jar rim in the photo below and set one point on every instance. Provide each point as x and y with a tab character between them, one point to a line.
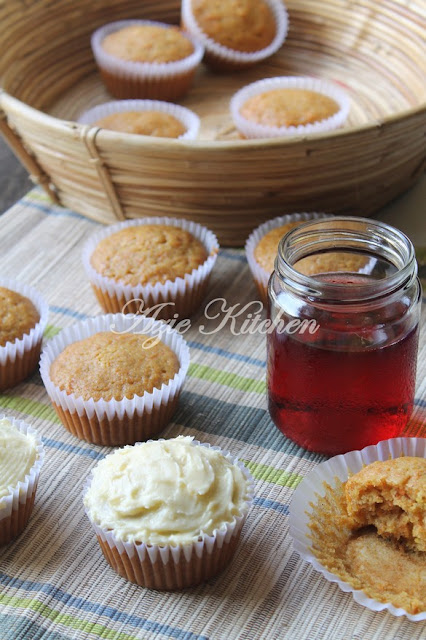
372	236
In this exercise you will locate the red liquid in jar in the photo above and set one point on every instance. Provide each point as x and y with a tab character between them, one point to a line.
332	401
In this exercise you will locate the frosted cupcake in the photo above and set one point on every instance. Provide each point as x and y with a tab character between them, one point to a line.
145	59
115	379
144	117
288	106
21	458
23	318
168	514
236	33
156	266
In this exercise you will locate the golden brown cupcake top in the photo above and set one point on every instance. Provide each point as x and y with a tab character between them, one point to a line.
148	254
266	250
288	107
147	123
148	43
241	25
18	316
108	365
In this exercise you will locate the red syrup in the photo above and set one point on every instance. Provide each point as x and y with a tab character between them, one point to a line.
331	398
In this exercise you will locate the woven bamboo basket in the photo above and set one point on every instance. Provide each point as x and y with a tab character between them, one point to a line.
374	49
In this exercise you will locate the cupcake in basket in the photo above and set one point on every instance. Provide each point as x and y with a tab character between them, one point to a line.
115	379
145	59
262	246
168	514
21	458
156	266
144	117
23	318
236	33
288	106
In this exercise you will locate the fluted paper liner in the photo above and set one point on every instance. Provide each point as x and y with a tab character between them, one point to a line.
171	567
129	79
260	275
187	117
181	296
250	129
116	422
18	359
217	55
312	488
17	505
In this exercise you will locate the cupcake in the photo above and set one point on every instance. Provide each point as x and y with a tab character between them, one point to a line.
288	106
21	458
262	246
23	318
115	379
156	266
168	514
144	117
236	33
144	59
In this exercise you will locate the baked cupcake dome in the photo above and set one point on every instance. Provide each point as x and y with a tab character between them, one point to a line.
21	458
288	106
165	119
168	514
132	72
259	27
23	318
168	282
121	398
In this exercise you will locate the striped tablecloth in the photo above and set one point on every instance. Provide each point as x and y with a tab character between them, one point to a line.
54	582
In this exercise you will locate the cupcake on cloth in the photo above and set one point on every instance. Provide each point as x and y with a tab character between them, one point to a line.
168	514
145	59
262	246
156	266
236	33
288	106
144	117
23	318
21	458
115	379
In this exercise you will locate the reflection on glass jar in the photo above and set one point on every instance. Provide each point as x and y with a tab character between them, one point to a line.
345	300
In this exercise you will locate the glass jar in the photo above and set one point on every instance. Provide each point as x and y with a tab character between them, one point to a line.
343	343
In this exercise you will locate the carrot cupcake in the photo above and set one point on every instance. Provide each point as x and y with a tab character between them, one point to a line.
144	117
23	318
21	458
168	514
236	33
156	266
145	59
114	379
288	106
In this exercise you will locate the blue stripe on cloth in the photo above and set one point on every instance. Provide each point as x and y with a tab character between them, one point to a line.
66	311
240	257
70	448
226	354
271	504
17	628
98	609
50	211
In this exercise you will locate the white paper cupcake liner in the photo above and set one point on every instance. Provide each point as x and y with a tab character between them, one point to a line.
116	422
19	358
312	487
225	55
17	505
187	117
176	566
146	72
181	296
251	129
260	275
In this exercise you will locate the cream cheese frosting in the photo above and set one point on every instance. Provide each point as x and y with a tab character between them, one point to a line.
165	492
18	453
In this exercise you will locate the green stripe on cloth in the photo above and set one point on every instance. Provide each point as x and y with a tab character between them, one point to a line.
271	474
227	379
51	331
30	407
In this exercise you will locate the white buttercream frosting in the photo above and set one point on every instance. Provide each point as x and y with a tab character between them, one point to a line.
18	453
165	492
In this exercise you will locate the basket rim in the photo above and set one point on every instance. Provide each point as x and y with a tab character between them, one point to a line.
208	145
